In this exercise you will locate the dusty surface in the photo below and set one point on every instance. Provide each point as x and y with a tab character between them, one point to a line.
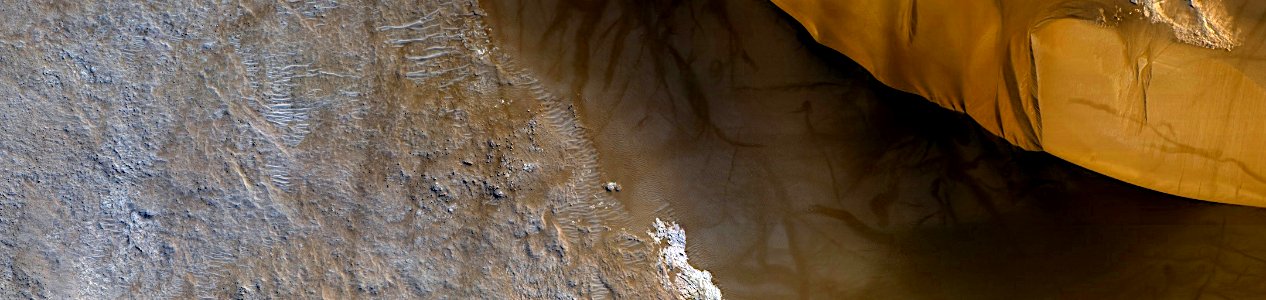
269	149
1165	94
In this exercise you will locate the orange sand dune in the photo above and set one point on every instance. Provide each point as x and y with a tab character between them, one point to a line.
1167	95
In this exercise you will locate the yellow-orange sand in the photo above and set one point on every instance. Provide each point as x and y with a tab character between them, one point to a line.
1166	95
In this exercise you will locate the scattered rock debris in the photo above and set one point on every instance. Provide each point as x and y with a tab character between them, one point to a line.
258	149
611	186
676	273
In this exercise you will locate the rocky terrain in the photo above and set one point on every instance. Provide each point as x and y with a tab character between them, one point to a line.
293	149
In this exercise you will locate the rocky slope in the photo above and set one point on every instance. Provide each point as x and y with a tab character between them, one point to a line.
293	149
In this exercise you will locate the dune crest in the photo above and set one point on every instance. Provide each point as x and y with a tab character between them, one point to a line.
1164	94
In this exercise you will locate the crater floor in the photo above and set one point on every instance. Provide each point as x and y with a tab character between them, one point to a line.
538	150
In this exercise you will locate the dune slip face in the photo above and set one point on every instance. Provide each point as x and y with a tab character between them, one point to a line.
1164	94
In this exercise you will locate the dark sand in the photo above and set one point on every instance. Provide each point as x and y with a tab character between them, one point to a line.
797	174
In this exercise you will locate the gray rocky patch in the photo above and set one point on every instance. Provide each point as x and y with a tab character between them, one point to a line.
284	149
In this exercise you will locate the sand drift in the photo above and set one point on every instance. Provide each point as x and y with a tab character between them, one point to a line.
1164	94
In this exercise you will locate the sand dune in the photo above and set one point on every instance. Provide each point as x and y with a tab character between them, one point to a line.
1163	94
799	176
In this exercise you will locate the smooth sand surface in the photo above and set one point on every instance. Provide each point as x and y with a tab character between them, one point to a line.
1163	94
